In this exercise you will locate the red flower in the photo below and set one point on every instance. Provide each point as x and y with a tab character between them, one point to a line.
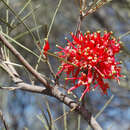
46	47
92	59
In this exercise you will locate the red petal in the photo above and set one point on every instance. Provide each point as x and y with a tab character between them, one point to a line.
85	91
74	87
46	47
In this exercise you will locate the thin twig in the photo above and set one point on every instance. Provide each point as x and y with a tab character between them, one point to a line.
37	31
26	4
79	122
3	21
125	34
103	108
24	18
58	6
19	44
14	13
96	5
3	120
82	6
65	117
10	88
48	33
65	114
24	62
51	69
51	124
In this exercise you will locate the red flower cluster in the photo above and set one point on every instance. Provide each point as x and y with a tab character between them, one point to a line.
90	59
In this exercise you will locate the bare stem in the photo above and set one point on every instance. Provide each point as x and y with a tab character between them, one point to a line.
3	120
